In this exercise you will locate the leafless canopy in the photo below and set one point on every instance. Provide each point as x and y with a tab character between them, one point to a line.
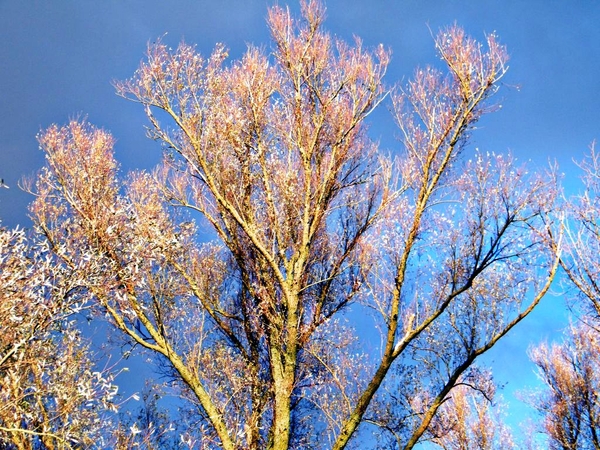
274	224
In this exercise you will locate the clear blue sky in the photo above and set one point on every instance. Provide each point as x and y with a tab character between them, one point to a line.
58	58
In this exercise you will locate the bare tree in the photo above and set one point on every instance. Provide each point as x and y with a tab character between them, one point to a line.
51	396
580	259
570	403
471	418
273	213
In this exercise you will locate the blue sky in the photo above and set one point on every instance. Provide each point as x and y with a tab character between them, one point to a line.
58	59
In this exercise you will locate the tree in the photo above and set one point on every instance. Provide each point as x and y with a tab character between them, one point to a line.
470	419
580	260
50	395
273	215
570	403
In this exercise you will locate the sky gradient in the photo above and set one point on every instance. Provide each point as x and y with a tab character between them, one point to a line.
59	58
